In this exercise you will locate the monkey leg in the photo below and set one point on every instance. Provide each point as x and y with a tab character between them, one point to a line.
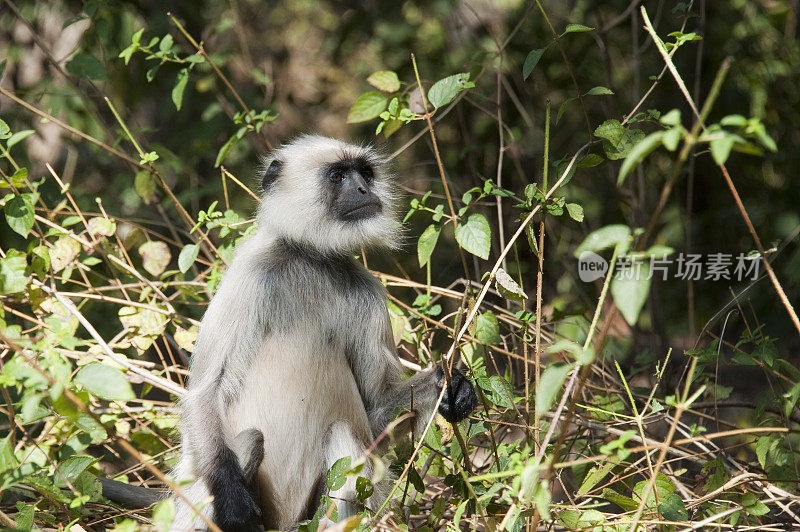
248	446
341	442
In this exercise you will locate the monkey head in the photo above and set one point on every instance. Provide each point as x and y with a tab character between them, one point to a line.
330	195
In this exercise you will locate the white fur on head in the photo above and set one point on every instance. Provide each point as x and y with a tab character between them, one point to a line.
294	206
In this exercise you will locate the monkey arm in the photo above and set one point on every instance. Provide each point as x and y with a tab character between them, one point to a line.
379	376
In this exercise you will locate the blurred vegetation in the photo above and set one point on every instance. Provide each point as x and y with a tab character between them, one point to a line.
129	147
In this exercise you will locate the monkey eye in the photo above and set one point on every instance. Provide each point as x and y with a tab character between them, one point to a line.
367	174
336	177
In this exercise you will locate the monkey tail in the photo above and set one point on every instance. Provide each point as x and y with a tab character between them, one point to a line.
248	447
129	496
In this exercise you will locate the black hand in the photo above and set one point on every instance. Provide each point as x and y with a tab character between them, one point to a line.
459	400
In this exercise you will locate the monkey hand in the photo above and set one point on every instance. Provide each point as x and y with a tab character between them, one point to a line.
237	511
459	399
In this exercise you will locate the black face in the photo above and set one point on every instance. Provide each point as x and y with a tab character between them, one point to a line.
349	182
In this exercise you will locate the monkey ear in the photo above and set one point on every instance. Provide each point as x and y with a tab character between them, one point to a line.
271	174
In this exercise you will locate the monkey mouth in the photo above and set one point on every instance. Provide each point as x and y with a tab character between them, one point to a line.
361	212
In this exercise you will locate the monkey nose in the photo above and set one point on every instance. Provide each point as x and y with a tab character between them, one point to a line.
362	189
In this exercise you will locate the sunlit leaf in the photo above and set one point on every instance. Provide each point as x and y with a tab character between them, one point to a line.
475	235
427	243
63	252
180	86
155	257
384	80
105	382
507	286
13	278
550	385
630	292
19	214
102	226
187	257
368	106
445	90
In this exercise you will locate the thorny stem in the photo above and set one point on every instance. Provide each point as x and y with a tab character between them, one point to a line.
539	275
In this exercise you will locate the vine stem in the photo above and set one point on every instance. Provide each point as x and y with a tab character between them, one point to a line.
440	166
217	71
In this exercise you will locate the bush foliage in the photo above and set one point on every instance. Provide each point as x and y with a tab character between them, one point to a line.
528	139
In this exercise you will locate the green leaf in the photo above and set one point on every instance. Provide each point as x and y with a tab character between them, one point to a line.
487	328
662	487
620	139
575	211
672	137
384	80
576	28
19	177
180	86
18	136
673	508
19	214
626	503
590	161
599	90
70	469
550	384
166	43
531	61
508	287
187	257
605	237
596	474
502	394
475	235
12	272
734	121
24	516
105	382
164	514
672	118
223	151
639	151
445	90
85	65
145	185
581	520
427	243
364	488
563	107
721	148
337	474
630	294
368	106
753	505
155	257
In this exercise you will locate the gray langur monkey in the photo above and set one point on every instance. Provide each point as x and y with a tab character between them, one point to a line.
297	344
